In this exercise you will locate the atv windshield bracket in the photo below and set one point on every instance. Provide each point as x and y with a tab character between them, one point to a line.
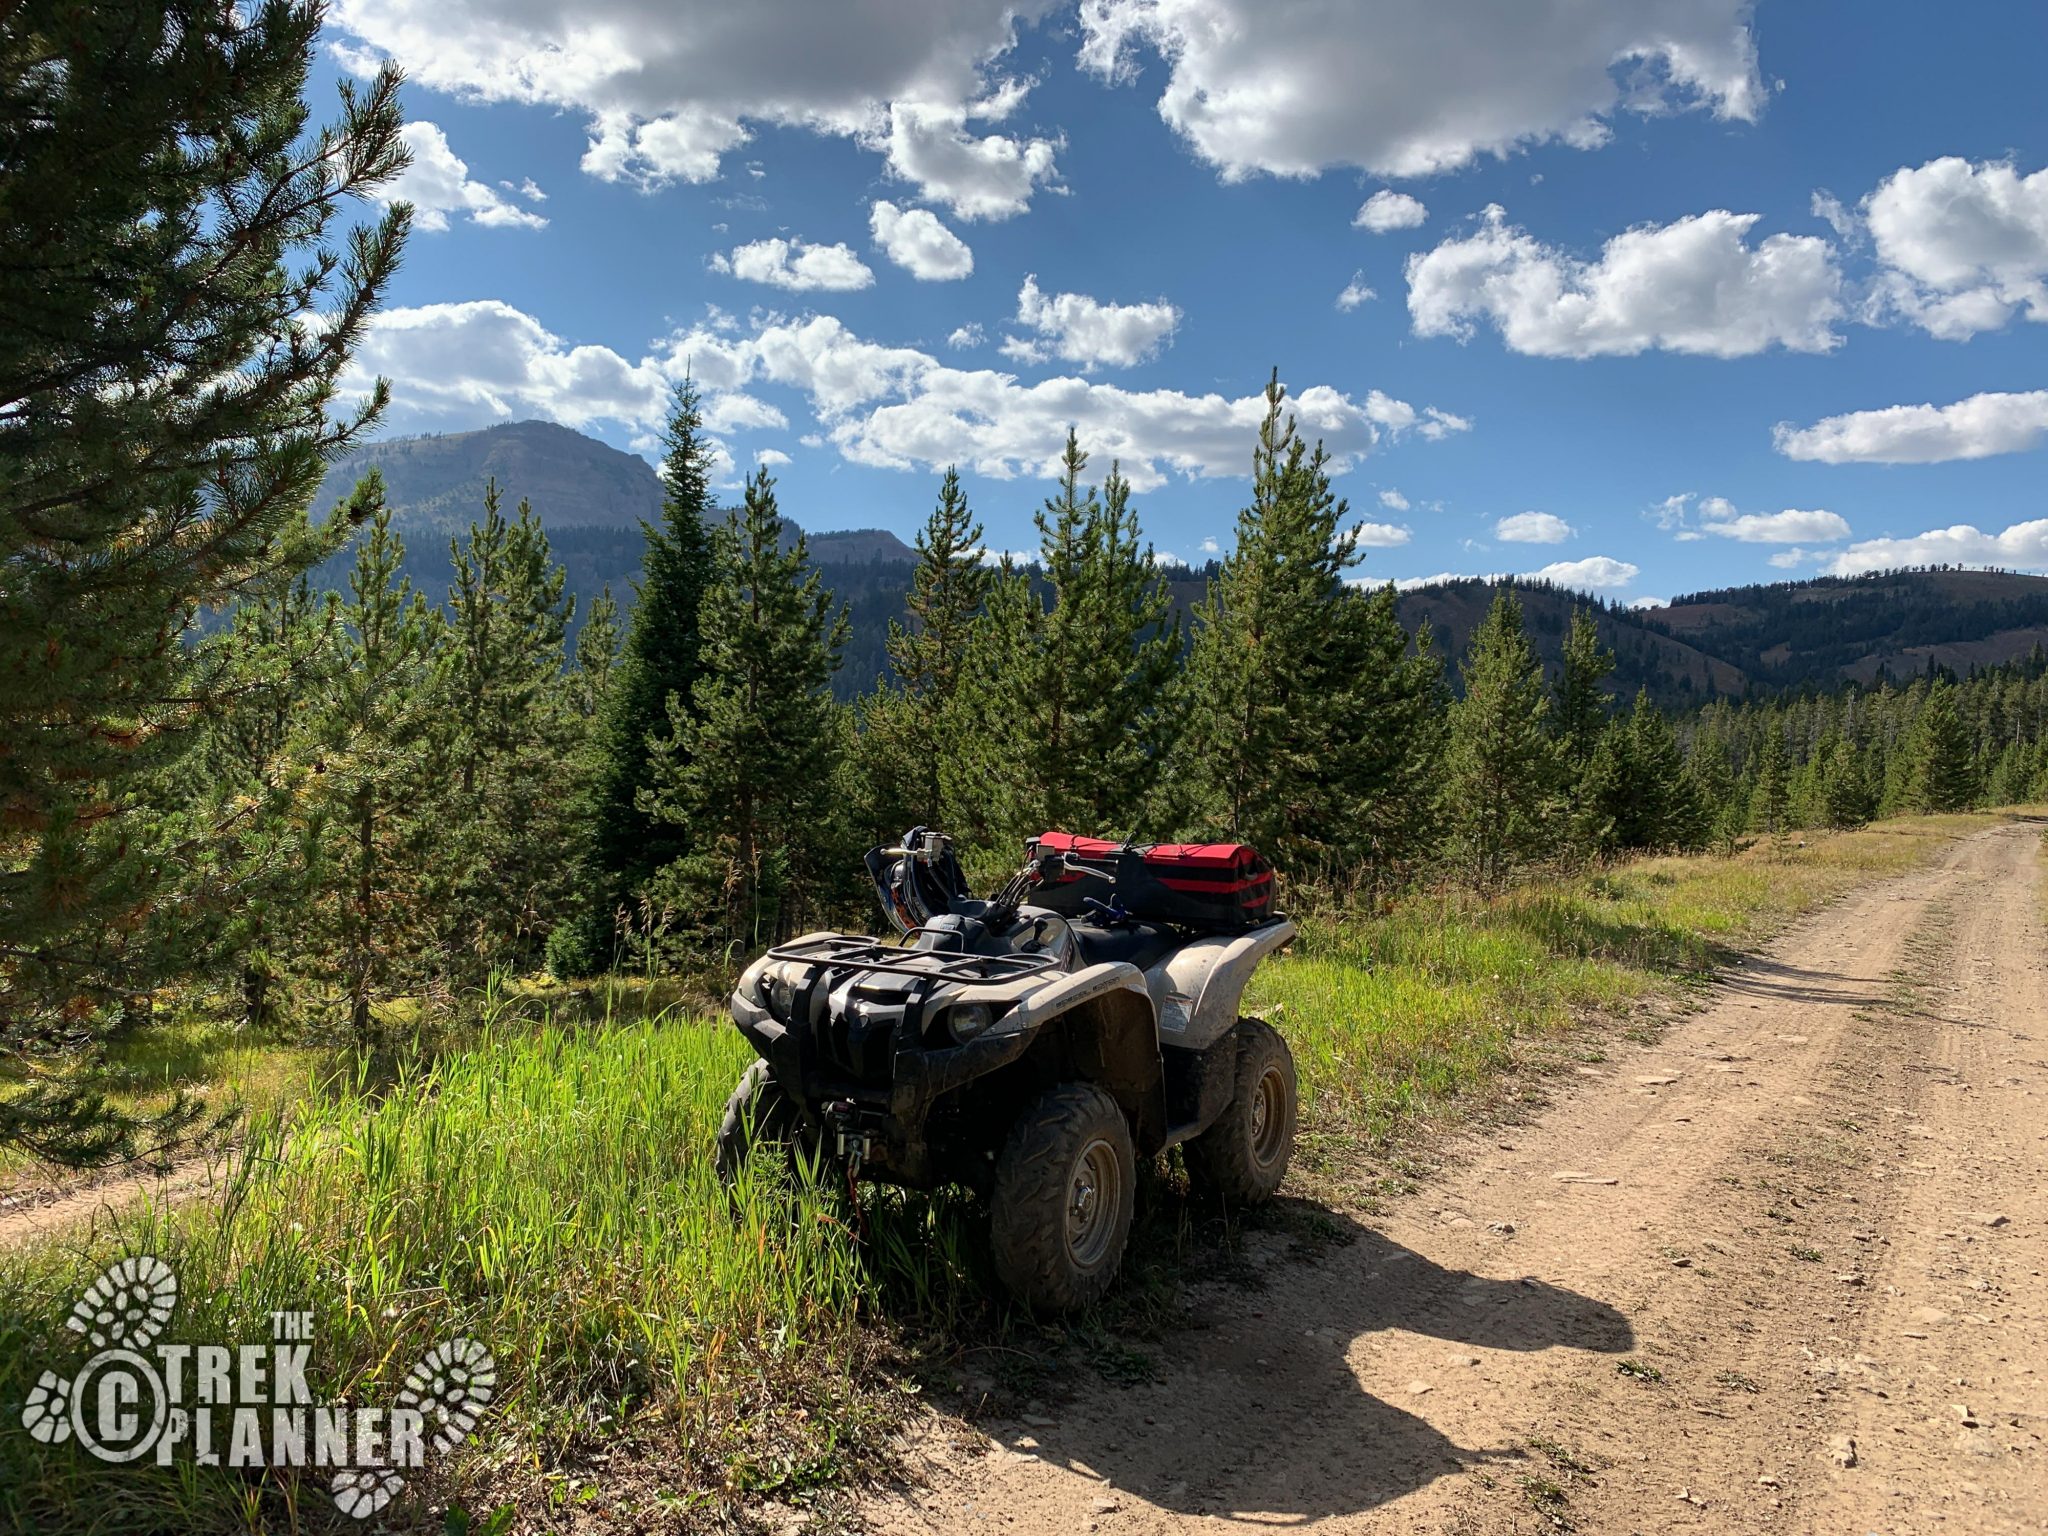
924	964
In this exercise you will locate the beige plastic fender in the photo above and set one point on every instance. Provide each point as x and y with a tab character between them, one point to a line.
1196	989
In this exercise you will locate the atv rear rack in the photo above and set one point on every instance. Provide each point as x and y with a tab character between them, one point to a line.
841	952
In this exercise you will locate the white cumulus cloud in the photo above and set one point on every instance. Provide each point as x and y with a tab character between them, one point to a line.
1695	285
459	365
1393	501
796	265
437	184
1976	428
2023	546
1080	329
1355	293
670	87
1414	87
1965	245
916	241
771	458
1595	571
1387	210
965	336
1788	559
1533	528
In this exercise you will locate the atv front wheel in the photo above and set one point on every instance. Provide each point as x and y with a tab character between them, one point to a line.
1242	1158
760	1116
1065	1190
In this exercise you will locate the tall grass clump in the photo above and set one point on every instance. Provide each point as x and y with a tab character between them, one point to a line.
550	1194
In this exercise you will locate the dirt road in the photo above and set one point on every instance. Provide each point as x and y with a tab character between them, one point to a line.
1780	1272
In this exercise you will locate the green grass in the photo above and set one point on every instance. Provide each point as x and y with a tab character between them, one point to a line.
548	1189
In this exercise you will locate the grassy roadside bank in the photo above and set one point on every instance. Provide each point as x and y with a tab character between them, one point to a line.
549	1191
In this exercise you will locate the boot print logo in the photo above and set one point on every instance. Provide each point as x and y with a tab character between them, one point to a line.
245	1405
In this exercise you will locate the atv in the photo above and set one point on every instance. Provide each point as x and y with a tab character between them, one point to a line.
1031	1046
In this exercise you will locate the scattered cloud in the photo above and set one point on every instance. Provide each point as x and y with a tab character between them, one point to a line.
916	241
1416	87
796	265
1976	428
2023	546
969	335
1386	210
1964	245
1718	516
736	411
1381	535
1695	285
1533	528
1211	547
1640	603
1079	329
1595	571
770	458
1355	293
1789	559
1393	501
886	406
437	184
992	177
1829	210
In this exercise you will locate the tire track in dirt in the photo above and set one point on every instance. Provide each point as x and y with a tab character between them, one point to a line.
1749	1277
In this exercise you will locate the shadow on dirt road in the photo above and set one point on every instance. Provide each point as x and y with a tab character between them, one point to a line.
1268	1417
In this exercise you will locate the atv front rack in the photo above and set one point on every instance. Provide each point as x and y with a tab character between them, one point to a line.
934	965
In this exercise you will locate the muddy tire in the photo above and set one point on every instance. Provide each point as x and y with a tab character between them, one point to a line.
1065	1190
1241	1159
760	1117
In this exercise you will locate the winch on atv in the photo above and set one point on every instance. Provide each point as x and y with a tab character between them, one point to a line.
1032	1046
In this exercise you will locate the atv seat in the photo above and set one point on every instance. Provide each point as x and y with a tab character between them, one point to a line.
1139	944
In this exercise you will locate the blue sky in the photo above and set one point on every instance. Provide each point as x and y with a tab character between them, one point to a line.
1664	294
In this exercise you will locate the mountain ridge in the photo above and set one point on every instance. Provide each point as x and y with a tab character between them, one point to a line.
1721	643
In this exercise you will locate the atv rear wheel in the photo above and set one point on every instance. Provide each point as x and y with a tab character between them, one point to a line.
1242	1158
1065	1190
760	1116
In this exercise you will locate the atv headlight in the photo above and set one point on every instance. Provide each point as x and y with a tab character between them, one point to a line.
967	1020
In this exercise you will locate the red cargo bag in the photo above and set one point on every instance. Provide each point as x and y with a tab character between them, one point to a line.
1209	887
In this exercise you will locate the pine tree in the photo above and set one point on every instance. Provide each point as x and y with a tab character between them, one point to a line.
507	734
1061	712
173	323
597	655
660	663
748	767
1578	719
1844	796
907	730
1662	811
1579	713
377	722
259	751
1771	797
1501	773
1310	728
1943	765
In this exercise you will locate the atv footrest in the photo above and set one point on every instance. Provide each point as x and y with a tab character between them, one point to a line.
932	965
